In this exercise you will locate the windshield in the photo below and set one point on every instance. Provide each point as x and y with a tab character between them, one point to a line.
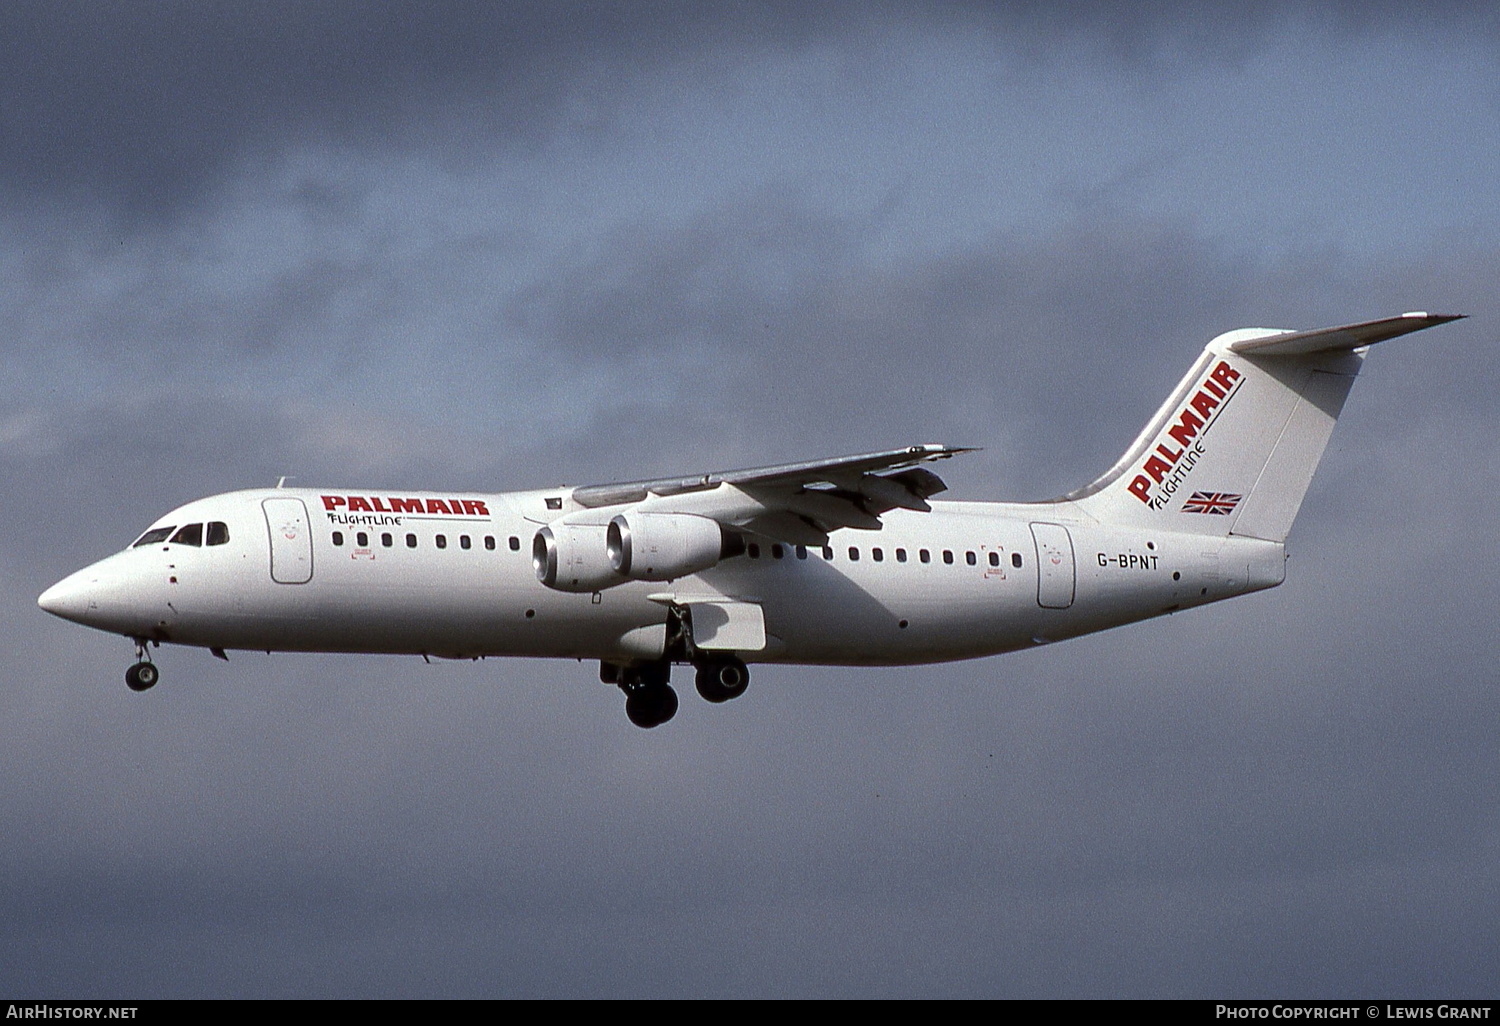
192	534
156	534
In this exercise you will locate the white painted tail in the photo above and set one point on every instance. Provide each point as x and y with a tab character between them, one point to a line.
1234	447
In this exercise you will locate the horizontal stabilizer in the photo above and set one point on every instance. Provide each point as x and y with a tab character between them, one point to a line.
1265	342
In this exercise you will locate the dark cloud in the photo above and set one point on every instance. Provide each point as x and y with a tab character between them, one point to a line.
146	106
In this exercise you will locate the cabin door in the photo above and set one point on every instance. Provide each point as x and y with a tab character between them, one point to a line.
291	540
1054	566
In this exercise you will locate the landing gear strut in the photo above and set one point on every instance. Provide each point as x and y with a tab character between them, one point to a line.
721	676
144	674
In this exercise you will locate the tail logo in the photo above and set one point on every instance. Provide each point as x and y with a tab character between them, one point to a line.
1167	467
1219	503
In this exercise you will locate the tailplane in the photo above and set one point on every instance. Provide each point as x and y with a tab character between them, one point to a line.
1234	448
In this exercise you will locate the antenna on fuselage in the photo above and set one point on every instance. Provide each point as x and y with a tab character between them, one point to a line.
283	479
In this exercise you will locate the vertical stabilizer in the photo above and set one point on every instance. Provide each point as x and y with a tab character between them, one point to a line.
1233	449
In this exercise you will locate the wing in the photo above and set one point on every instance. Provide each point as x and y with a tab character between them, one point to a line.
792	502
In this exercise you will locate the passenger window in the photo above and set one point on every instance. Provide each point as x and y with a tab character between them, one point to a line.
362	539
192	534
153	536
924	555
463	541
218	533
878	555
994	559
853	554
411	541
441	541
801	551
387	540
489	542
777	551
1015	559
515	544
338	537
971	559
828	553
901	555
754	550
947	555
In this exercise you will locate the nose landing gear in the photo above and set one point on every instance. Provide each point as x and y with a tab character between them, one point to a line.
141	676
144	674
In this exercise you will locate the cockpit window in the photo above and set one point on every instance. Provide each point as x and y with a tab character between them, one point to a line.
154	535
218	533
192	534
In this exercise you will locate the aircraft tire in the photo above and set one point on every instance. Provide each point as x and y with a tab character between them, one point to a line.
722	679
142	676
652	706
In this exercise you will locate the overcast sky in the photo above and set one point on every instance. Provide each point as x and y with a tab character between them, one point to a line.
488	246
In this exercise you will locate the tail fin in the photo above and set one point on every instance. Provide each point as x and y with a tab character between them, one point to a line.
1234	448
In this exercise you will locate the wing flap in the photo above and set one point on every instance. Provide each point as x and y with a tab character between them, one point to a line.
729	626
784	526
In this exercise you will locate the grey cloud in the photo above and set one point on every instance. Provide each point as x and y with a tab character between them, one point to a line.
1055	347
149	103
147	106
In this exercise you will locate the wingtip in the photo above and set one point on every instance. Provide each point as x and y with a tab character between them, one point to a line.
945	451
1435	318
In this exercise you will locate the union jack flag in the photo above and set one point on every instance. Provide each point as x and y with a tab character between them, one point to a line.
1221	503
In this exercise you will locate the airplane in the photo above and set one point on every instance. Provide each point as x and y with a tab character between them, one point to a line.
846	561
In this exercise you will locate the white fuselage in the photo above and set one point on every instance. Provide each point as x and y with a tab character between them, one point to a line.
996	577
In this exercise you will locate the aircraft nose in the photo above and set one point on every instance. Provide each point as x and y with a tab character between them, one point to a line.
115	594
68	598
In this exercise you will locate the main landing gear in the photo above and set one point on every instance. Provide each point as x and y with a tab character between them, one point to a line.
144	674
650	700
722	678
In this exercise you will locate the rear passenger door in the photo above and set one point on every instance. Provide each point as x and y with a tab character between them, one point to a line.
1054	566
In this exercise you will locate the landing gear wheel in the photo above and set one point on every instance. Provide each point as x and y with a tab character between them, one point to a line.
142	676
722	679
651	705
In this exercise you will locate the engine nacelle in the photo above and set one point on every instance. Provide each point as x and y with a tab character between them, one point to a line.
664	546
572	557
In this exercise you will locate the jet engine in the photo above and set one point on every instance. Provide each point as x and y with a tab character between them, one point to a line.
572	557
664	546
